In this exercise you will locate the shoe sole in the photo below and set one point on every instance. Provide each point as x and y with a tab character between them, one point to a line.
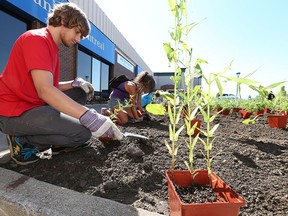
67	150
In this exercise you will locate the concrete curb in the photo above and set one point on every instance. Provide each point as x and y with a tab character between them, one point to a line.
21	195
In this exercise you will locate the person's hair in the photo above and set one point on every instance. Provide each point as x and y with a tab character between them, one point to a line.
147	80
70	15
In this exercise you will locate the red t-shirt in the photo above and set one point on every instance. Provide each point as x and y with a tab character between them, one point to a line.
35	49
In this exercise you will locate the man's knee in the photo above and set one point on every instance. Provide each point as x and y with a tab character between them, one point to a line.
83	136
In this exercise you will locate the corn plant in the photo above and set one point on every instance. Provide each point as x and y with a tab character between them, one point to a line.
174	55
180	55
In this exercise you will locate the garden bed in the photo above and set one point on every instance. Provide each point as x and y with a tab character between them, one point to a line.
252	159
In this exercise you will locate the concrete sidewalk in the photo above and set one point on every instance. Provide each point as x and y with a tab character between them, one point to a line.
21	195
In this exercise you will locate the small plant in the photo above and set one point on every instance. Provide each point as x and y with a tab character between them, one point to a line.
180	55
121	106
224	104
263	91
279	104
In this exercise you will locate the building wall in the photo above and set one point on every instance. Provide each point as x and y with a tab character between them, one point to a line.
104	24
68	62
164	82
119	69
68	56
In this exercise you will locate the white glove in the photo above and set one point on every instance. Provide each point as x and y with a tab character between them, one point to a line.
100	125
86	86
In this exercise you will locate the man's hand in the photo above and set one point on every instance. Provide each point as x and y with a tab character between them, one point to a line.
100	125
86	86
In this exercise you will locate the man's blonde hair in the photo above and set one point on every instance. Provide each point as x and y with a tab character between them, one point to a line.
70	15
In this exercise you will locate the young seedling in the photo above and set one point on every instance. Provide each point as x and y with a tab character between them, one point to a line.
121	106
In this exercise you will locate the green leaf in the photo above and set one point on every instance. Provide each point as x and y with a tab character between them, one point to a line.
241	80
187	165
218	84
168	50
156	109
191	130
273	85
183	8
201	61
211	132
176	150
168	147
248	121
213	117
172	5
171	132
195	141
178	115
179	131
205	116
171	119
211	144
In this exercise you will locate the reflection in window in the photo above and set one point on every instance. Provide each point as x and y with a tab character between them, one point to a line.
12	28
84	66
104	76
104	80
96	78
95	72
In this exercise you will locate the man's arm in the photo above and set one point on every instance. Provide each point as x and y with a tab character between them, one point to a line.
43	82
63	86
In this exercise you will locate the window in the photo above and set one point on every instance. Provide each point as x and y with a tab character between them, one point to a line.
96	72
96	76
9	35
125	63
104	76
104	81
100	78
84	66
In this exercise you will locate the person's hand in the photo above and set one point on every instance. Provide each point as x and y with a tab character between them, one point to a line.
86	86
140	113
100	125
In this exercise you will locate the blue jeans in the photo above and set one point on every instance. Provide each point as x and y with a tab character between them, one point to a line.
44	126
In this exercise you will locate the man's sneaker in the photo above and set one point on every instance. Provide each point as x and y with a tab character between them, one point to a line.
59	149
22	154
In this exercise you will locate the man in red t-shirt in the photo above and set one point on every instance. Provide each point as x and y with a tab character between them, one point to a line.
37	111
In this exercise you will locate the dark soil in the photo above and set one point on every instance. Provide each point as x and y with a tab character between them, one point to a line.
252	159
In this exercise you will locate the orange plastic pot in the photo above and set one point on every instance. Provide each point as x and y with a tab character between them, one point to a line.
236	110
245	114
225	112
229	202
277	121
259	112
219	109
267	110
